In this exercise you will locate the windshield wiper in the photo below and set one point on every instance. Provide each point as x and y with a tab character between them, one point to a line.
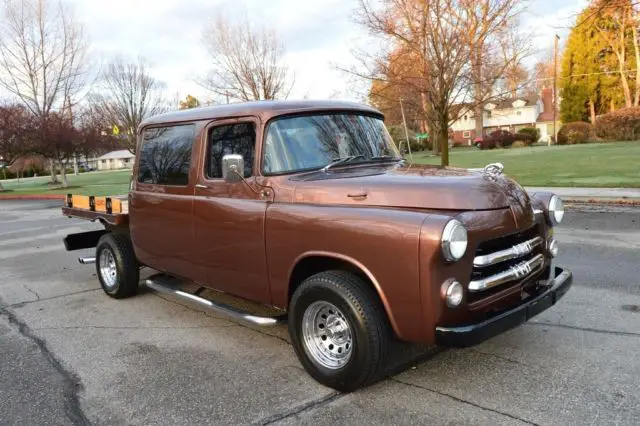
386	158
338	161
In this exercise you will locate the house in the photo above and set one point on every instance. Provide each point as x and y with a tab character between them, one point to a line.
509	114
113	160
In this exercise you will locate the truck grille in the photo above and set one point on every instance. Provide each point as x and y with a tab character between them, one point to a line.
505	261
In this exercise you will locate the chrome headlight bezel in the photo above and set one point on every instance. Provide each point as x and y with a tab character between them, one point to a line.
555	210
454	240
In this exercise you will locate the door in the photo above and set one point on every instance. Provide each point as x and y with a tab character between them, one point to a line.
161	202
229	218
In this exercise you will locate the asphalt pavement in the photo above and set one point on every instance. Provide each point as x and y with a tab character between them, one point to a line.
71	355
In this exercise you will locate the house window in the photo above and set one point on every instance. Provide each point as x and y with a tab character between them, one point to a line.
519	113
465	118
466	134
489	114
104	161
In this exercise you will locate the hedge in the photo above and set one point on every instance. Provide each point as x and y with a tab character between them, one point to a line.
620	125
575	133
531	131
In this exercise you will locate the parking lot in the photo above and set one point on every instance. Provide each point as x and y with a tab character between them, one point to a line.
70	354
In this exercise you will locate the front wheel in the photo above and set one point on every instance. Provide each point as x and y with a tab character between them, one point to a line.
117	266
339	330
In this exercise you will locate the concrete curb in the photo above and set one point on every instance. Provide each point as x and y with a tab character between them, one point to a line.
608	201
32	197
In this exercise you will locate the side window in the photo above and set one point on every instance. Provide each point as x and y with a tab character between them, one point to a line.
239	138
165	155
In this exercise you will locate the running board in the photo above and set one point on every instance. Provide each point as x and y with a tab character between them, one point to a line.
163	284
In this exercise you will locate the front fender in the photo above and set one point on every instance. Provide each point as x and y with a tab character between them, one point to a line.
383	243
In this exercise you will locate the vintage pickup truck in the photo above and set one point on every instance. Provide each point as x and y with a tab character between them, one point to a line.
308	208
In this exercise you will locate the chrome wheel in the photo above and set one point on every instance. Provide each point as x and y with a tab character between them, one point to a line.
108	269
326	334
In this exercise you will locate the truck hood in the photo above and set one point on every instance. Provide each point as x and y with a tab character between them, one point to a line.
412	186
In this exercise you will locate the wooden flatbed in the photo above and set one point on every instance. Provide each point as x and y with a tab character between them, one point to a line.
112	211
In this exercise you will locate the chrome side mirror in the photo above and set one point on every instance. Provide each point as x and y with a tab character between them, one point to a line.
232	168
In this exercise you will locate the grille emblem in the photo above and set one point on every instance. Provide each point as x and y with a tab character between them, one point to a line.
521	270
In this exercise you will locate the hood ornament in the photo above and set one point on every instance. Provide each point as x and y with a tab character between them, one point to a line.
493	170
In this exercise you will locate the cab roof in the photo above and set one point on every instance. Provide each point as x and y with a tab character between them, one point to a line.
263	109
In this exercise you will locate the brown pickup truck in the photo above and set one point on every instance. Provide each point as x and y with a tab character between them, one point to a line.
308	209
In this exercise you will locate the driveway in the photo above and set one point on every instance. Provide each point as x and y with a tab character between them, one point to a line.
69	354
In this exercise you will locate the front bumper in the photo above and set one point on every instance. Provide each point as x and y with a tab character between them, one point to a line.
473	334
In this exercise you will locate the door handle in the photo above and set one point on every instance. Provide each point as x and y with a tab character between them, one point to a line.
201	186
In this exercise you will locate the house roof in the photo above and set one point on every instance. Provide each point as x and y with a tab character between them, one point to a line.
123	153
508	103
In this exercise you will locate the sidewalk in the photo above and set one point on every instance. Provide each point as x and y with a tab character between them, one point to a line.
605	195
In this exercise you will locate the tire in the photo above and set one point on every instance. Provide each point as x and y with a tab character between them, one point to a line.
365	357
478	145
121	278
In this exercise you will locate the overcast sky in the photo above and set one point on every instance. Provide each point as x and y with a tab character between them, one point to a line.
316	35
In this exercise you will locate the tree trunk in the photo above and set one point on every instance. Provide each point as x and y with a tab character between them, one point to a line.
628	101
478	91
63	173
636	49
54	175
612	106
443	141
592	111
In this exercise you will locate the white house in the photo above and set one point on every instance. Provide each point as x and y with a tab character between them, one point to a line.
121	159
509	114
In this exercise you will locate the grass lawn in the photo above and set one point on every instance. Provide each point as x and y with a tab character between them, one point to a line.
92	183
592	165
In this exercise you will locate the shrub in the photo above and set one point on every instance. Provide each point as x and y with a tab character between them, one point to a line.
520	144
574	133
533	132
620	125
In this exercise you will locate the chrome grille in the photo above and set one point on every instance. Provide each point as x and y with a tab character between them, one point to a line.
504	260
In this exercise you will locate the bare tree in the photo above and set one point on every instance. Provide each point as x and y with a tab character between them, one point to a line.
495	47
616	22
42	54
440	37
125	95
247	62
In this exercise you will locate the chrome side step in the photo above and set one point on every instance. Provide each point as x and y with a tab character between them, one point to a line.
162	284
86	260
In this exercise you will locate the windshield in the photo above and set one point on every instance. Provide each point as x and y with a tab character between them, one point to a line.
314	141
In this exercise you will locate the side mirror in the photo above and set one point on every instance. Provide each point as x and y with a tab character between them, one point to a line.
232	168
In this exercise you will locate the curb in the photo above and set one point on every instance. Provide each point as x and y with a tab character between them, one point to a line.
603	201
33	197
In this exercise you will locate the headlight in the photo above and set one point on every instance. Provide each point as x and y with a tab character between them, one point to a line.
454	240
556	210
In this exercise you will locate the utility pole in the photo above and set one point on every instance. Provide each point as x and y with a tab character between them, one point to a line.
555	89
406	131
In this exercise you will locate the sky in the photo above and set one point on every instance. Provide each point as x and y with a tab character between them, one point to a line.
318	35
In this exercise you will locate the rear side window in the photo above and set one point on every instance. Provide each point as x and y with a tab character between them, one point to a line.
165	155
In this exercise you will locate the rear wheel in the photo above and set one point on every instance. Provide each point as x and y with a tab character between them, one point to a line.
339	330
478	145
117	266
